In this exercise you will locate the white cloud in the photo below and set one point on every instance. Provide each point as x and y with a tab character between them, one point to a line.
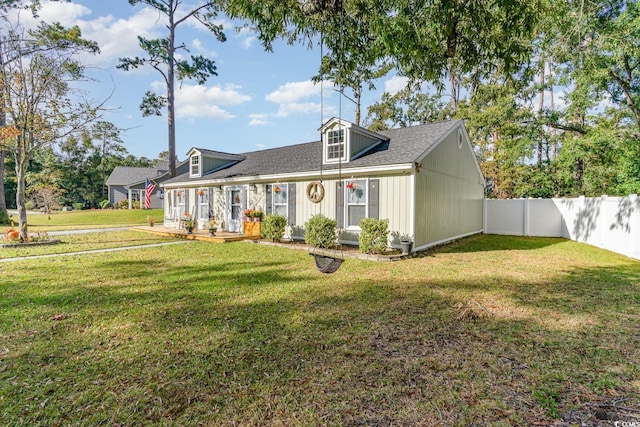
193	101
202	50
65	13
258	120
248	41
395	84
247	37
296	97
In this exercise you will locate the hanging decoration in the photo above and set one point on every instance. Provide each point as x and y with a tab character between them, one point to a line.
315	191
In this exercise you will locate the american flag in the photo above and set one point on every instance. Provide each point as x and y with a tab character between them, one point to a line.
148	191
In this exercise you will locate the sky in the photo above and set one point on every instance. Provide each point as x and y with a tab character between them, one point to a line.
258	100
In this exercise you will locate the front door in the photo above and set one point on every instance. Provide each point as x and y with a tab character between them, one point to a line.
236	204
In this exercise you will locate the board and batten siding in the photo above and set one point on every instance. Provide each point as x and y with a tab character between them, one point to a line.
211	163
394	202
360	142
449	193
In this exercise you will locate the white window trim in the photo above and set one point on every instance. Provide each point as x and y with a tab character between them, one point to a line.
346	204
345	142
191	165
202	203
273	199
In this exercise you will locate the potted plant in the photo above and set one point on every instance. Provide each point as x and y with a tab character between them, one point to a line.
405	243
248	214
151	220
187	220
257	215
212	227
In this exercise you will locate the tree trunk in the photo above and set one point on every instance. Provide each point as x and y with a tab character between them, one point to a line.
358	95
21	195
171	115
552	107
3	122
3	201
540	108
453	82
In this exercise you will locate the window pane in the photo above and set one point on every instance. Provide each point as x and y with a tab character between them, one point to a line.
280	196
357	192
280	210
355	213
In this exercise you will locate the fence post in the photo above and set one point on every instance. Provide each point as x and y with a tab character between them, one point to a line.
527	216
634	226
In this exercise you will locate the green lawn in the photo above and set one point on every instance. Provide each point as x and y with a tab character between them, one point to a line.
492	330
95	218
86	242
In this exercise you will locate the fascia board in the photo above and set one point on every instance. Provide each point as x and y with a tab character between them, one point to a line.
332	173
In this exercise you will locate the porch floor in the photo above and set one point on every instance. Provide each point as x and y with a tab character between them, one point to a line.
220	237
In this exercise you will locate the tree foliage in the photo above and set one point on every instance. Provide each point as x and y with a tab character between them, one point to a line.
161	56
42	107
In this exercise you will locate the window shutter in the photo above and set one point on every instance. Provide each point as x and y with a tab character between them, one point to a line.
269	201
374	198
187	208
245	200
292	204
212	212
340	204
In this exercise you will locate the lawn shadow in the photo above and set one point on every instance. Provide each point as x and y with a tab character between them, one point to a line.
271	341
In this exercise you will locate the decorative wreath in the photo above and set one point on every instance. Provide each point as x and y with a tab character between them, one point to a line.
276	189
315	191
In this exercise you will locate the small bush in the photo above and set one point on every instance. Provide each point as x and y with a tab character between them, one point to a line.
4	218
374	235
29	205
321	232
77	206
273	227
105	204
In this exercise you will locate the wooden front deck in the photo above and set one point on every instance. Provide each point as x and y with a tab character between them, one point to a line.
180	233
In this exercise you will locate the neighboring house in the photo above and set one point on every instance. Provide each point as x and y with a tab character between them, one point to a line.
424	179
128	183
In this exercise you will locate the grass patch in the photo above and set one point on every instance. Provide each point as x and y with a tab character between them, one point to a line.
86	242
96	218
493	330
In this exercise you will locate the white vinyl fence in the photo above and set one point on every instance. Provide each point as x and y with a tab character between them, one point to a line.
611	223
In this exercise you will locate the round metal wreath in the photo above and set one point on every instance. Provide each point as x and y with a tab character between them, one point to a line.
315	191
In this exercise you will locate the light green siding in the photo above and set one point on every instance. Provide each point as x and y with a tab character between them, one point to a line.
210	163
449	193
394	203
360	142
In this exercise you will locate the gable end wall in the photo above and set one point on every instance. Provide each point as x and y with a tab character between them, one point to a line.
449	194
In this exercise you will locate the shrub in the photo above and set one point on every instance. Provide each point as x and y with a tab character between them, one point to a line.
105	204
4	218
374	235
77	206
29	205
273	227
321	232
134	205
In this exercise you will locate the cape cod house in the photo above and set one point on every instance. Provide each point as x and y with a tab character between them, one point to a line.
424	179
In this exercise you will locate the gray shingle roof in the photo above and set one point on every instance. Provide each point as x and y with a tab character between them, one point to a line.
403	145
125	175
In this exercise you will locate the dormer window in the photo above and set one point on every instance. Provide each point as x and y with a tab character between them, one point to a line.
195	165
335	145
